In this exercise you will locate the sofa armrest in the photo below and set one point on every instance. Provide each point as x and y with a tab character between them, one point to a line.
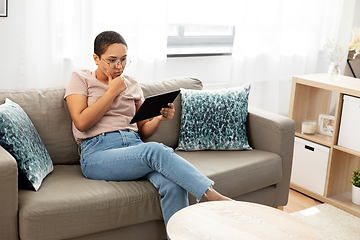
8	196
273	133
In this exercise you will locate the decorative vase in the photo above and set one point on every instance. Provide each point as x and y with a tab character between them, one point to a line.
355	195
334	71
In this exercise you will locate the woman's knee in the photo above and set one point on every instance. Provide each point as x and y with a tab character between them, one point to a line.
155	145
157	148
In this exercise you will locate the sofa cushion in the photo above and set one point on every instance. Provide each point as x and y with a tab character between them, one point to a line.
238	172
19	137
168	132
214	119
48	111
69	205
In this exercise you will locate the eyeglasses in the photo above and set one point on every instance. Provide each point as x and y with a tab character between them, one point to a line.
115	64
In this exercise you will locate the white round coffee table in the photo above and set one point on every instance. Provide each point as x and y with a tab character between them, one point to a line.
235	220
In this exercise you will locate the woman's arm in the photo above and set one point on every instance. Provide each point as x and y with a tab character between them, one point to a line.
148	128
84	116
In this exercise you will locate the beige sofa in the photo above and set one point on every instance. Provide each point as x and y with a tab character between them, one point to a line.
69	206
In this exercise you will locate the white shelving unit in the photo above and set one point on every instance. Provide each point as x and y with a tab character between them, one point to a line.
311	96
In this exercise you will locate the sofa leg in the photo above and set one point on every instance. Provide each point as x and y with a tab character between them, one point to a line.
280	208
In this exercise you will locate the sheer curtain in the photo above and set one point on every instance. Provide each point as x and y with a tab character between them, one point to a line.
274	39
277	39
142	23
56	37
53	36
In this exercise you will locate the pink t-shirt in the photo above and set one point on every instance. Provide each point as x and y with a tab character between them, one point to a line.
121	111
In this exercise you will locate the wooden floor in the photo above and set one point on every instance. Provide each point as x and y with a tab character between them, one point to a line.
298	201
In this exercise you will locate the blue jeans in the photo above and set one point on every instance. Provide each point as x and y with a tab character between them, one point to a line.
122	156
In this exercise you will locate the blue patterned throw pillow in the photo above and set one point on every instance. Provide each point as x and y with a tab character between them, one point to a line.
214	119
19	137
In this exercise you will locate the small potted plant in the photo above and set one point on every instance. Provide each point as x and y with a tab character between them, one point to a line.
355	180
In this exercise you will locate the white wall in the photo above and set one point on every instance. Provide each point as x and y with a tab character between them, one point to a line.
10	39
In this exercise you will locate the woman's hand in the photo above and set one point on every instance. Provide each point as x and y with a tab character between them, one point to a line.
167	113
148	128
116	85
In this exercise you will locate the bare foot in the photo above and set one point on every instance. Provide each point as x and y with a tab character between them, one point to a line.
212	195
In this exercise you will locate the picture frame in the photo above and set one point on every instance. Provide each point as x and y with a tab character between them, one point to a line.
3	8
326	124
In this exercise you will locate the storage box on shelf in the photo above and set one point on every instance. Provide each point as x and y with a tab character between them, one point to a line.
312	159
311	96
349	133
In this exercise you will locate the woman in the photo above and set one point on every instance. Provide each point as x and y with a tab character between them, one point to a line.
101	104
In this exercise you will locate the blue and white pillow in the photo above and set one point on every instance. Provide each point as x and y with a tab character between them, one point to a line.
214	119
19	137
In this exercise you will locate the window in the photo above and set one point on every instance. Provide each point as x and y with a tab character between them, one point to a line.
203	29
196	39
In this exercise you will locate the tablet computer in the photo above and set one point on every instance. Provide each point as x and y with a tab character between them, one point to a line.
153	104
